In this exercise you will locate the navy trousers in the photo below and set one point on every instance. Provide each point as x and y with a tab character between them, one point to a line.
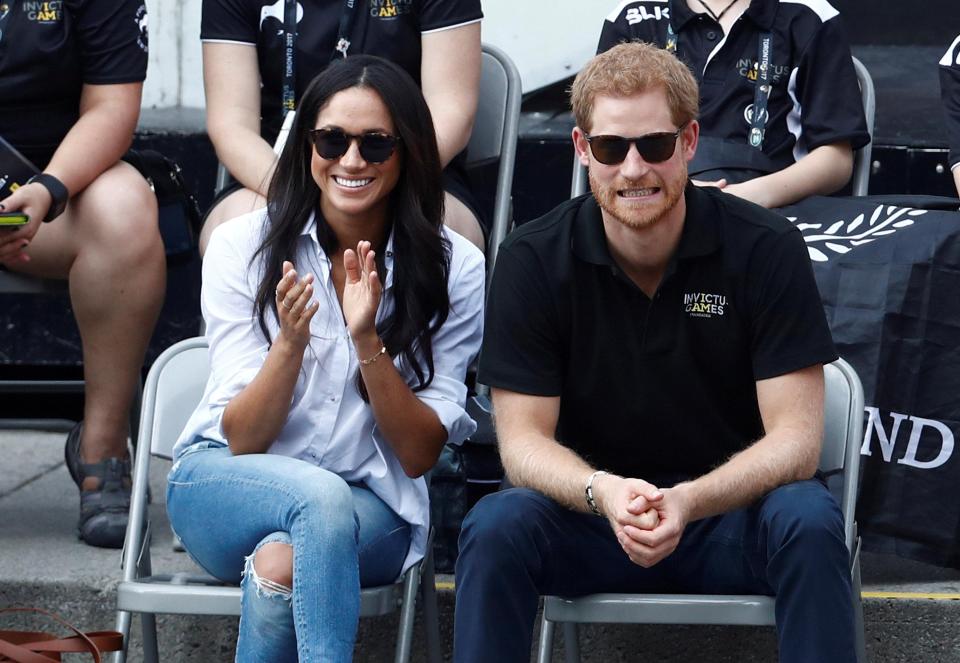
517	545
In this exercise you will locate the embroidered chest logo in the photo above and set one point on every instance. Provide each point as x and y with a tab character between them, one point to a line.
704	304
44	12
390	8
748	68
637	14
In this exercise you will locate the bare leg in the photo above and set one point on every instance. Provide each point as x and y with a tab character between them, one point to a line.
238	203
461	220
108	245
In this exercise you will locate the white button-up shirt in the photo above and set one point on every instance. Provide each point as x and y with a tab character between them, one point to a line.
329	424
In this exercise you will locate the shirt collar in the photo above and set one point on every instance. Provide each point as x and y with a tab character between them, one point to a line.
700	235
761	12
310	231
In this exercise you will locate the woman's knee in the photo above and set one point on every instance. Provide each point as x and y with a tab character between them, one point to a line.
236	204
272	567
459	218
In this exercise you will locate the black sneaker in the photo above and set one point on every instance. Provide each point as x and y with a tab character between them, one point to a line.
103	511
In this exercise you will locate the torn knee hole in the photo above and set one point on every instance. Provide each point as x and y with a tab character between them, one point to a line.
267	583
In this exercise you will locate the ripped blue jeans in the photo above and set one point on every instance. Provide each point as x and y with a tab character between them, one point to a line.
225	508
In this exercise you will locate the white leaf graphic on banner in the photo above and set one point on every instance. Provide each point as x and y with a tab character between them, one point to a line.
841	237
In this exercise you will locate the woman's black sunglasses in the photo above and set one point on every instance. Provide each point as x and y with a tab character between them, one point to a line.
374	147
654	148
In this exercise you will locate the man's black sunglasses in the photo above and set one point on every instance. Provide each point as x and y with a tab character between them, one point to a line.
374	147
654	148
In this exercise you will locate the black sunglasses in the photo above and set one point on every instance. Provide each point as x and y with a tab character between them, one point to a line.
654	148
374	147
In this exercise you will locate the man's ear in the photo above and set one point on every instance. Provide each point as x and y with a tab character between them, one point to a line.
689	138
581	146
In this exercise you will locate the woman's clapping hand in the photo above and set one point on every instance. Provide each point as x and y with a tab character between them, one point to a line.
361	290
295	306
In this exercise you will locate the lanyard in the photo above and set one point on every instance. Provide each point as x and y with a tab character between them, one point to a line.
290	42
346	27
758	122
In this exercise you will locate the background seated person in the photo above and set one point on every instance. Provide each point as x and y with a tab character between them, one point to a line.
71	87
655	351
341	319
814	115
437	42
950	94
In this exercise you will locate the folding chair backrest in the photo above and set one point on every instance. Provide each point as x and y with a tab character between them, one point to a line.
174	389
494	135
843	431
862	158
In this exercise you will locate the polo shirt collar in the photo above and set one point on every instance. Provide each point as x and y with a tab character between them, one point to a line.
700	235
761	12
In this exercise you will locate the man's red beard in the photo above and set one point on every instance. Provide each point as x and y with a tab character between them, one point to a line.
640	216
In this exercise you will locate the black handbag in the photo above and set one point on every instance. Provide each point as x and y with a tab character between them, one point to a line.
179	212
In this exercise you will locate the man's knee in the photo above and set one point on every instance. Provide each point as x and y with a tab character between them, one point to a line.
272	567
802	514
502	524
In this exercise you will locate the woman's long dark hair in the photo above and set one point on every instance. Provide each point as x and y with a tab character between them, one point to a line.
421	263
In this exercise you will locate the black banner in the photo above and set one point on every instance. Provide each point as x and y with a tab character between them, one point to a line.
888	269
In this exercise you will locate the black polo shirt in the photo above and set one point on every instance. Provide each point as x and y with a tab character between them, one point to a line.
48	50
664	388
389	28
950	94
815	99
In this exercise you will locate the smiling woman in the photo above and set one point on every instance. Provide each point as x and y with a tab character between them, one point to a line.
341	320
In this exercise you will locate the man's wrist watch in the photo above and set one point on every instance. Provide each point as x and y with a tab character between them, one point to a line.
58	194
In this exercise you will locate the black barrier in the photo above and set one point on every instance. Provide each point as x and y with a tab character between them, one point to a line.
888	269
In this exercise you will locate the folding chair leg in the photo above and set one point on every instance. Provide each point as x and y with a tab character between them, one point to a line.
407	611
123	626
858	633
431	617
571	642
546	641
148	621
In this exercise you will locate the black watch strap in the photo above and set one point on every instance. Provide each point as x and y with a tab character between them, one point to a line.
58	194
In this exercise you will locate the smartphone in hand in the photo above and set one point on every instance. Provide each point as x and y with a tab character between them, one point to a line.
13	219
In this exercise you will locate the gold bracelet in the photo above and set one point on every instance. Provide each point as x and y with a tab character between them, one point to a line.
367	362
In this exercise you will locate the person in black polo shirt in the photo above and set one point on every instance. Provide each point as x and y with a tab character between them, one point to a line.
950	94
801	142
655	351
71	74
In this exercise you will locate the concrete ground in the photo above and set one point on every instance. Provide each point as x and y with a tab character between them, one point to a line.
911	609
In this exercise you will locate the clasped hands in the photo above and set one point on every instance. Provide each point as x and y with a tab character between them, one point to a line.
361	297
647	521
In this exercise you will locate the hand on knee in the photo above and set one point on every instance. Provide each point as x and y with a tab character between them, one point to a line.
273	567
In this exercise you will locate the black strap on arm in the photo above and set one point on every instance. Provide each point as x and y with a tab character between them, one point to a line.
290	45
347	19
758	123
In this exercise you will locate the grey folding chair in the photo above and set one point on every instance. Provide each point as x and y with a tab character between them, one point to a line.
174	386
13	283
494	137
843	432
860	181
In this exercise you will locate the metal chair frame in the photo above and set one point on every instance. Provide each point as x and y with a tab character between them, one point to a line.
840	454
174	386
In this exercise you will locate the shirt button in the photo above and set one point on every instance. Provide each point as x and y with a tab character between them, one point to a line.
711	35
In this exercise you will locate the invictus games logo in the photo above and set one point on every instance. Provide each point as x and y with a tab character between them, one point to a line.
704	304
390	8
749	69
141	18
43	11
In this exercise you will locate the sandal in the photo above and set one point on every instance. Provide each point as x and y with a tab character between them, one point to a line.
103	511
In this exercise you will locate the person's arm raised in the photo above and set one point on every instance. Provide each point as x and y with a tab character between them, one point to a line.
450	80
231	82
